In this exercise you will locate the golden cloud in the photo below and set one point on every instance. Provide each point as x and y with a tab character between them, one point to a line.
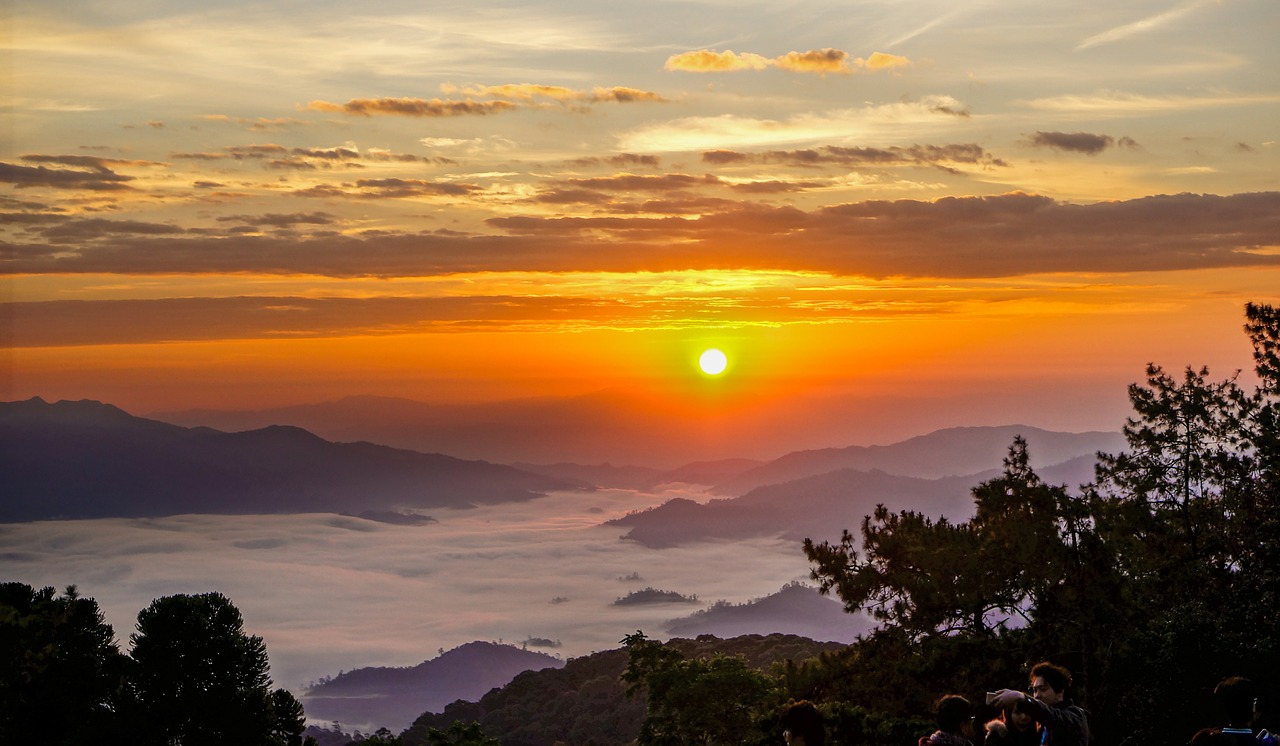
708	61
529	91
884	61
819	61
815	61
413	107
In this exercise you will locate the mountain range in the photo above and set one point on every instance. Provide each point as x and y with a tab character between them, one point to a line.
86	459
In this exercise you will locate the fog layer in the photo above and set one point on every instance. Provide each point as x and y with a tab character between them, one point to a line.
330	593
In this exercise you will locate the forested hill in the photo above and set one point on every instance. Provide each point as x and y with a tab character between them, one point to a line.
86	459
585	702
394	697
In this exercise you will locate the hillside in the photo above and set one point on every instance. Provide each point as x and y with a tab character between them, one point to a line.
91	460
815	507
585	703
942	453
367	698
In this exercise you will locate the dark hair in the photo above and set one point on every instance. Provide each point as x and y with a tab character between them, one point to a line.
1055	676
1236	696
804	720
951	712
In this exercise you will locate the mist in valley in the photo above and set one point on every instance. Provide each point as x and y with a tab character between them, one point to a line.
330	593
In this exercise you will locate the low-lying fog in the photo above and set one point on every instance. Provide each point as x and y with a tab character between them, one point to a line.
330	593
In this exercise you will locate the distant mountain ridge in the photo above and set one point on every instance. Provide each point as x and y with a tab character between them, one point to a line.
820	506
954	451
395	697
87	459
796	609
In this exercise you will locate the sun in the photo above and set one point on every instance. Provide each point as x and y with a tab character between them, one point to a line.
713	362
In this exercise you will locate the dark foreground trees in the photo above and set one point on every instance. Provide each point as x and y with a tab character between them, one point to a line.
193	677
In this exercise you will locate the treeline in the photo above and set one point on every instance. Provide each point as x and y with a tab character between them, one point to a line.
192	675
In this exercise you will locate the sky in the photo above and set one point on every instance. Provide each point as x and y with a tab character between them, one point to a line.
993	206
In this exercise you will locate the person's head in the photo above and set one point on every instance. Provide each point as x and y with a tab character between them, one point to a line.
1236	696
1049	683
802	725
1017	719
953	713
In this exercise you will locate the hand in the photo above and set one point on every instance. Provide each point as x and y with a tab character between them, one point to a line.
1006	698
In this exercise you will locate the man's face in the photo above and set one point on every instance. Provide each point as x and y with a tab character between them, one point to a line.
1041	690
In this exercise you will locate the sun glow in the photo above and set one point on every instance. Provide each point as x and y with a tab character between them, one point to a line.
713	362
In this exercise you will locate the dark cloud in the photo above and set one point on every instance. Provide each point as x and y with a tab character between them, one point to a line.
414	107
640	183
995	236
98	178
774	186
915	155
206	184
256	152
411	188
1074	142
198	156
88	229
622	95
622	160
277	220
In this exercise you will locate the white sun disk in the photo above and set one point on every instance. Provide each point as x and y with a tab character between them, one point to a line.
713	362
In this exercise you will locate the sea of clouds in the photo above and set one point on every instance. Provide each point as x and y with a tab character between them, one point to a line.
330	593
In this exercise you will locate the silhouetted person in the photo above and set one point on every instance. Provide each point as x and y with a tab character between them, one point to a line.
1235	698
802	725
954	716
1061	722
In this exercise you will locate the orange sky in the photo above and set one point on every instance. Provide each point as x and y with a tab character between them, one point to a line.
1001	216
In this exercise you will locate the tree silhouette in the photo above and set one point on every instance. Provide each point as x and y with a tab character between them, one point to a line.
201	679
60	669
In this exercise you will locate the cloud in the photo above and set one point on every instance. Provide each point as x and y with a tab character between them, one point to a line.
529	92
728	131
1142	25
818	61
389	188
915	155
1073	142
98	178
885	61
277	220
1125	104
965	237
815	61
622	160
708	61
93	228
414	107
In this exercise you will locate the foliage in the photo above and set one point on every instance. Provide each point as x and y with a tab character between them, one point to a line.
60	670
694	700
459	734
1151	584
193	675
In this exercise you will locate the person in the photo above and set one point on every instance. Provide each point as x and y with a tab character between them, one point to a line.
1235	697
1013	728
954	716
802	725
1061	722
